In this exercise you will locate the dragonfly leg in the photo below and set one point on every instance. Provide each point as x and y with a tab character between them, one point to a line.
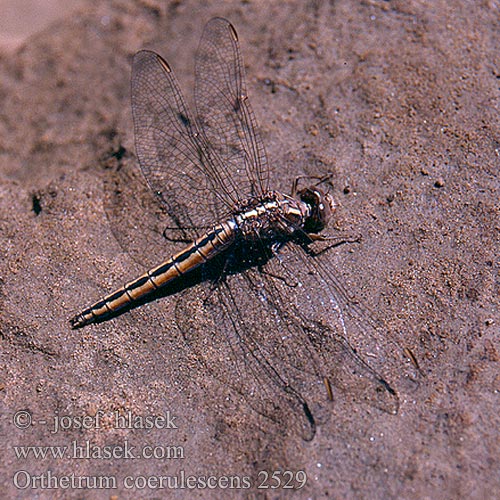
338	240
334	242
317	178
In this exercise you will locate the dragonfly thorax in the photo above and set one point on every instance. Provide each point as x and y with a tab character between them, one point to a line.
271	216
275	215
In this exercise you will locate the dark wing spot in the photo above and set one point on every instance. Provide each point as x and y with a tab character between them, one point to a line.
184	119
237	104
387	387
233	33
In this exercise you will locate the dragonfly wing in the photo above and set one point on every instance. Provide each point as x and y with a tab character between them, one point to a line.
224	113
277	333
176	162
235	339
354	350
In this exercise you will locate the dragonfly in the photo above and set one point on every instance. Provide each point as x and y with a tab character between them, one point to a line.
262	308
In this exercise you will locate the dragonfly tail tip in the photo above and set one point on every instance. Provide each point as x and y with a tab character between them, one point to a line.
78	321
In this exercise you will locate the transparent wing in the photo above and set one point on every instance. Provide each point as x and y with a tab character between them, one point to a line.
355	352
234	337
178	165
277	334
224	112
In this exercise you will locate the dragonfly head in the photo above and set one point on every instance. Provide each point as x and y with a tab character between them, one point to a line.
321	205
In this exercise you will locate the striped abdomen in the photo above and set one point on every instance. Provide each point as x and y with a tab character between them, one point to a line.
197	253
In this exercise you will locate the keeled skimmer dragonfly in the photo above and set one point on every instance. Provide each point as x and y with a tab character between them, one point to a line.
267	302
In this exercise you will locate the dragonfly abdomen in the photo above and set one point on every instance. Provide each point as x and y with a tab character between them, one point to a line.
200	251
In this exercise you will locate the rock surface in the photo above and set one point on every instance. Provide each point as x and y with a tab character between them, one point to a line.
400	100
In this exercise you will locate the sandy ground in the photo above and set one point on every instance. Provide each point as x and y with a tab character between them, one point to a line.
400	100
